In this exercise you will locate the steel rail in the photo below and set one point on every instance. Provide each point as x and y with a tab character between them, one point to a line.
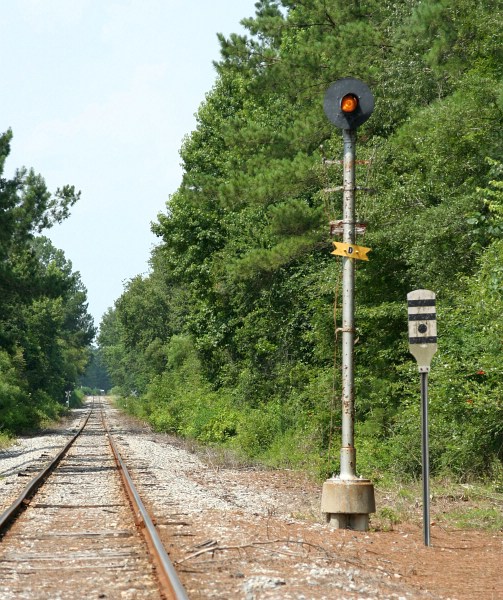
9	515
166	573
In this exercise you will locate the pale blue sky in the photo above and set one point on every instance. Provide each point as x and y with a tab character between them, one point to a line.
99	94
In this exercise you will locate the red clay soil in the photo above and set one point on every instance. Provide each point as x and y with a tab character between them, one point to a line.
460	564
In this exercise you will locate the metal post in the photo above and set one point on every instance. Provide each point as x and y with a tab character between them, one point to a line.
347	500
423	345
425	458
348	453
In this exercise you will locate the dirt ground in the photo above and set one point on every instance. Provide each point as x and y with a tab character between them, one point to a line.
460	564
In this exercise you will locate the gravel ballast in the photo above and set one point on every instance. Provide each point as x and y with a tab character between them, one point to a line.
251	534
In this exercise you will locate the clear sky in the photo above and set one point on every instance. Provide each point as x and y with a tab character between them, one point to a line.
99	94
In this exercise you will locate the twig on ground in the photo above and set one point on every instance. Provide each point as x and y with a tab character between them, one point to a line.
258	545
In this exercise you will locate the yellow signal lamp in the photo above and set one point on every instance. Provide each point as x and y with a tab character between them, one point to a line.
349	103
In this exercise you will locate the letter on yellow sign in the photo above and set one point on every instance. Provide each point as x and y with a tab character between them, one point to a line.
351	251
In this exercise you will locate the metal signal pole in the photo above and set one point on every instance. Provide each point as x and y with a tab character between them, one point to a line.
347	500
348	453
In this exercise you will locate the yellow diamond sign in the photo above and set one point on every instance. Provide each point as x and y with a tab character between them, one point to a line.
351	251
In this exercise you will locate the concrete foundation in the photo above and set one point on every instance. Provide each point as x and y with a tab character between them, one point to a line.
347	503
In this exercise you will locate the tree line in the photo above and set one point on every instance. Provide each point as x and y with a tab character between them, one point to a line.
45	329
232	337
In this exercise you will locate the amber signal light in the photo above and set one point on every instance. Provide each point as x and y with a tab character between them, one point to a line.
349	103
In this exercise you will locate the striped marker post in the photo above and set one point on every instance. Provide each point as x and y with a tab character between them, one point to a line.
423	345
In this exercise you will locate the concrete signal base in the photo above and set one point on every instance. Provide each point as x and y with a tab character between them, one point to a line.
347	503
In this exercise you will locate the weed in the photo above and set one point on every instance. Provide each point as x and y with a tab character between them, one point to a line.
5	440
386	518
465	505
476	518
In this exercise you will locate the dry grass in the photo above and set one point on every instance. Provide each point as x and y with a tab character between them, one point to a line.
462	505
5	441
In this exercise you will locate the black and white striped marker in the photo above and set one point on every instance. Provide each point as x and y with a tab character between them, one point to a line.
423	345
422	327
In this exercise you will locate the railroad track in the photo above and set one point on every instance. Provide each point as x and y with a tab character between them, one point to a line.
80	530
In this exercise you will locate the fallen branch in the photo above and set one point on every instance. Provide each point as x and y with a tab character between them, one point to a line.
214	548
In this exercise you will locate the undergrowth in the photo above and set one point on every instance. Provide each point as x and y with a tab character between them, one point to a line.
476	505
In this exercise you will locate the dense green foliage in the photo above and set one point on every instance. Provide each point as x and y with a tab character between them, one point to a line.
45	329
231	339
95	379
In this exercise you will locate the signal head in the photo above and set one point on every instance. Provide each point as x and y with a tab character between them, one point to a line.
348	103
